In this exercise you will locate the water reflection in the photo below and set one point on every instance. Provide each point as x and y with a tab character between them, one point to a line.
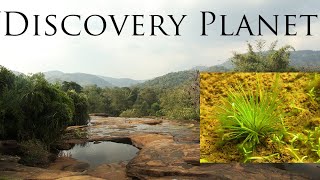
104	152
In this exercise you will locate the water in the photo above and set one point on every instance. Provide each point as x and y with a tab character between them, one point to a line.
104	152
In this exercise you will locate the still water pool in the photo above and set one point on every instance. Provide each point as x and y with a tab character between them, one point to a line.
104	152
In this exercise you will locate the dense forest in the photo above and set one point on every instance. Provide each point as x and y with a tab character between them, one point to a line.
173	96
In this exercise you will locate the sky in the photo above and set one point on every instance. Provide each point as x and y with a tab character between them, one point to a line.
148	56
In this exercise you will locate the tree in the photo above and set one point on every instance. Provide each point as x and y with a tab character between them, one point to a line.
66	86
81	106
260	60
95	99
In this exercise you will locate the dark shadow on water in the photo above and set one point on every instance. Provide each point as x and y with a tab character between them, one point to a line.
101	153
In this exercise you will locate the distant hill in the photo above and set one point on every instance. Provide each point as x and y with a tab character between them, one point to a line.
80	78
298	59
170	80
89	79
305	58
121	82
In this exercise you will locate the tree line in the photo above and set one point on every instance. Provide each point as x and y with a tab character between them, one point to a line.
176	102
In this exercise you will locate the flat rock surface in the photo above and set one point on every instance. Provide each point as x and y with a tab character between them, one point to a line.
68	164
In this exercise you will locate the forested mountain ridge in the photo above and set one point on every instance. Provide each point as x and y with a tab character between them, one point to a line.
298	59
169	80
89	79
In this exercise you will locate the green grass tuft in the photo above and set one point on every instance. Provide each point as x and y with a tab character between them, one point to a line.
249	115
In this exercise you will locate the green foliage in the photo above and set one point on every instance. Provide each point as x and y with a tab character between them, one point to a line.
67	86
81	105
95	99
249	115
32	108
176	102
261	60
169	81
131	113
47	110
34	153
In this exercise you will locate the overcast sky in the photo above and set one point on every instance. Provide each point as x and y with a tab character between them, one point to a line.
142	57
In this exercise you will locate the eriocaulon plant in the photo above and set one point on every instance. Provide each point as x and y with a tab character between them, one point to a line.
249	115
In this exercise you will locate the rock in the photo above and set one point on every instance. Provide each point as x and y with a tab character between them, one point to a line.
141	140
79	178
153	122
162	159
109	172
143	121
72	128
123	139
13	170
69	164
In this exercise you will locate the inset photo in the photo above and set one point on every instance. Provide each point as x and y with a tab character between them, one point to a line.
260	117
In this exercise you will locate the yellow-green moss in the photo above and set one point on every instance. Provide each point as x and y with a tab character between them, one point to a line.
300	114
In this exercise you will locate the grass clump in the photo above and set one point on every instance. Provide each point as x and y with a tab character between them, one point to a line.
250	115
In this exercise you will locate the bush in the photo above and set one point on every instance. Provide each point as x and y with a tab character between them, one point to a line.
34	153
182	114
249	115
130	113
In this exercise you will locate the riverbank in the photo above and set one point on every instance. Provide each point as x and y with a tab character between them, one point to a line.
167	149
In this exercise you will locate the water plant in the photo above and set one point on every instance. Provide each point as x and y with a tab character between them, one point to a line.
249	115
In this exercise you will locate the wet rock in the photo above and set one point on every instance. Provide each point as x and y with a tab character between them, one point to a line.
109	172
68	164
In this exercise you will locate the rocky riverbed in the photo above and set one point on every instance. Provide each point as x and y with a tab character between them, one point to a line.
167	150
